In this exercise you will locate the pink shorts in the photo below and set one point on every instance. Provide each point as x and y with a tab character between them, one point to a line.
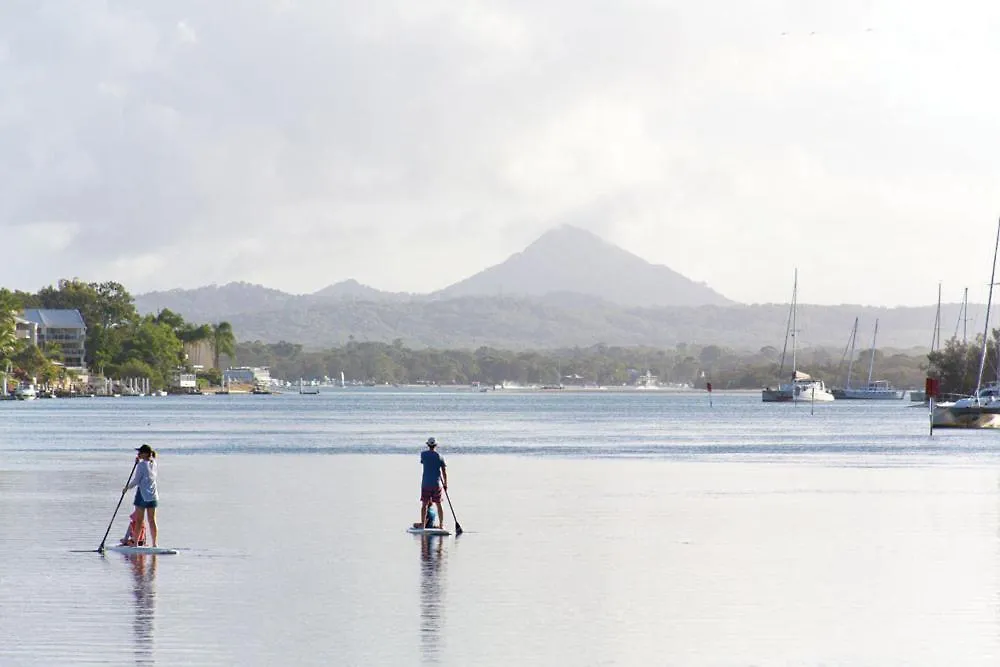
430	494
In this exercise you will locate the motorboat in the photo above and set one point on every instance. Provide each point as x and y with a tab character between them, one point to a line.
25	392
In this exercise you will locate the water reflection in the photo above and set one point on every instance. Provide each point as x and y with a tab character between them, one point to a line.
144	593
432	559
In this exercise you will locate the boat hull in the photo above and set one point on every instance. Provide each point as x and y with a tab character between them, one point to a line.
800	392
966	416
812	395
776	396
866	395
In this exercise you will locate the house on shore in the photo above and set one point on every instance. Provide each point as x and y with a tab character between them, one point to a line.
62	327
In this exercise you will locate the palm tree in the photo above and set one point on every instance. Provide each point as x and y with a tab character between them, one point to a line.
8	340
223	342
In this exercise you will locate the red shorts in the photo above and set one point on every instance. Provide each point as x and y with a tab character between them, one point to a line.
430	494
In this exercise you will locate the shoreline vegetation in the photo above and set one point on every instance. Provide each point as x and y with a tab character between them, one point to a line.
120	343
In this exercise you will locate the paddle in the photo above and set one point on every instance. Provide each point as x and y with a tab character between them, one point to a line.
458	526
100	549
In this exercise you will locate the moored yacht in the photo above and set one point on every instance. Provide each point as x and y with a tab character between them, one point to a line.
979	411
876	390
801	387
25	392
982	409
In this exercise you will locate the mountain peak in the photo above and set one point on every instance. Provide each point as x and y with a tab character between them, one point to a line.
571	259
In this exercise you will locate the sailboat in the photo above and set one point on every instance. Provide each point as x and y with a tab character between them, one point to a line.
839	393
801	387
982	409
875	389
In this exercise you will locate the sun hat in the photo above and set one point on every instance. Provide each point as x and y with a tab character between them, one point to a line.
431	442
145	449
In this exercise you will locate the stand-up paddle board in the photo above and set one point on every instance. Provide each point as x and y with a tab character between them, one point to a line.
156	551
427	531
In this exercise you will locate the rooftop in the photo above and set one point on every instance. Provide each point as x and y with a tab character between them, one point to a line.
56	319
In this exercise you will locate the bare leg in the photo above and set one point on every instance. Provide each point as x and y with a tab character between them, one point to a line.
440	515
151	515
139	515
128	531
424	504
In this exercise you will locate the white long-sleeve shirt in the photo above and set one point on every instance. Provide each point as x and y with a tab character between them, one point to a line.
145	479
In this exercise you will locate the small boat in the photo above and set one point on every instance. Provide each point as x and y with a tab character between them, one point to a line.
25	392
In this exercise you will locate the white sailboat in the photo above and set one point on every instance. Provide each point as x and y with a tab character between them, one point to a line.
875	390
801	387
982	409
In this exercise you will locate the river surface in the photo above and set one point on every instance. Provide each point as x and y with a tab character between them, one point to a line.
601	528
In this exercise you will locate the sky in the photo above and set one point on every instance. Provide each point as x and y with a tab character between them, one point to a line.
408	145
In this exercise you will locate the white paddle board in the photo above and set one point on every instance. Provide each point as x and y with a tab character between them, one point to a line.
427	531
156	551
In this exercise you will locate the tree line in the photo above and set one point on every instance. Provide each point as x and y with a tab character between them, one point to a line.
119	342
956	365
600	364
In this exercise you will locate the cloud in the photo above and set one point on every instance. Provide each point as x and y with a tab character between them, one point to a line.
408	145
186	33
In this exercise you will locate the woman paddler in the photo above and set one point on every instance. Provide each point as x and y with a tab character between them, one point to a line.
146	496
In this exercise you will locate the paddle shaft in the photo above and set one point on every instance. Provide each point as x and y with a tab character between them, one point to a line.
100	549
458	526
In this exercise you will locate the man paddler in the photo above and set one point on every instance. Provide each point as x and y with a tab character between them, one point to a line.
435	475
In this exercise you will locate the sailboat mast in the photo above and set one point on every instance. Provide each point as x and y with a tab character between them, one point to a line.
871	364
850	364
965	315
989	302
784	347
936	339
795	300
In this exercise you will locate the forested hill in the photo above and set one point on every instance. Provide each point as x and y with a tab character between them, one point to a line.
573	320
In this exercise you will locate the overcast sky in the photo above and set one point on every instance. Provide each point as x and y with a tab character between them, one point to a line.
409	144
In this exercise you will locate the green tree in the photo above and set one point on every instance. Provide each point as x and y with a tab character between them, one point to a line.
8	339
956	365
103	306
155	345
171	319
30	360
223	342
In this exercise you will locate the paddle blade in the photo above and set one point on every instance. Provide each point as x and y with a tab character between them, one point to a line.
458	530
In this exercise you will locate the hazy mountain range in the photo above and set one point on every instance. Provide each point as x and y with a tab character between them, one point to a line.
568	288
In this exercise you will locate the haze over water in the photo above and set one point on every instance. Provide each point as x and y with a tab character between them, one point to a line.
601	528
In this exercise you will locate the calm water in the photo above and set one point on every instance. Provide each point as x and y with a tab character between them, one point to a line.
601	529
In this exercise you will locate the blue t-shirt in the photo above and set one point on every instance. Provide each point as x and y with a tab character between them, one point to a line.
432	462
